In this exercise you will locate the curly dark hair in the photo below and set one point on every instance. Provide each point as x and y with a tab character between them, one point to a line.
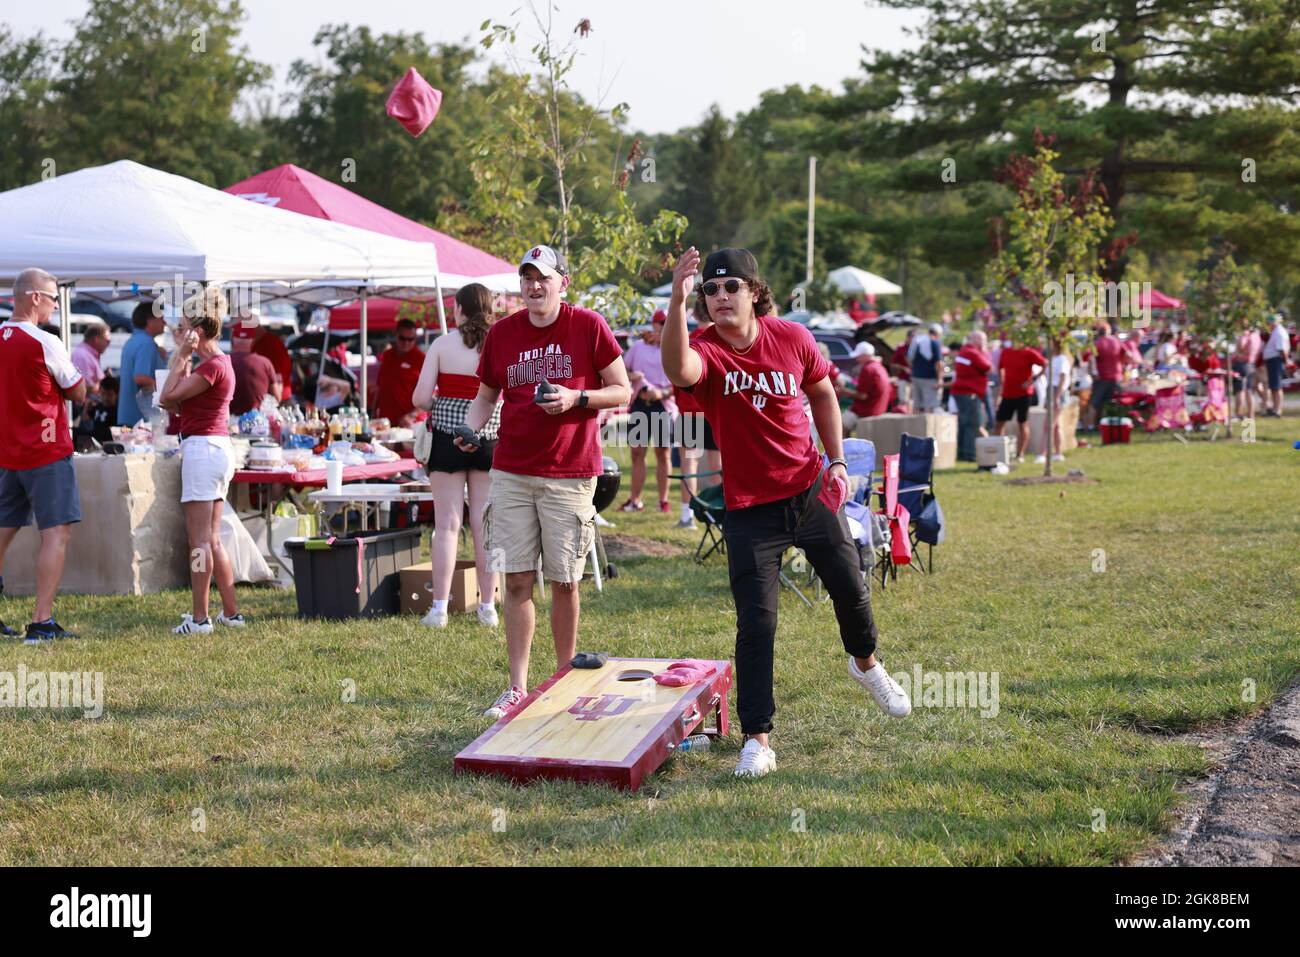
764	303
475	302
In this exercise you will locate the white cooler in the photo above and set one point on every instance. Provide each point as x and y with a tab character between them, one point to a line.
990	451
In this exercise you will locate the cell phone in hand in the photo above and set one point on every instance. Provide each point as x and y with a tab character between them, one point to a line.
545	389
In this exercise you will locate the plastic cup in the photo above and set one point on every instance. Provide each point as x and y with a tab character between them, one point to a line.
334	476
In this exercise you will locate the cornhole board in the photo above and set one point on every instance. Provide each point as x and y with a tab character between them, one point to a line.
613	724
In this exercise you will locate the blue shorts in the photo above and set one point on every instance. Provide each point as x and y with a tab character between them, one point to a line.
1274	367
49	491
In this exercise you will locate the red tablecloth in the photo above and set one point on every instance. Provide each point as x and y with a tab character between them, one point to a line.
316	477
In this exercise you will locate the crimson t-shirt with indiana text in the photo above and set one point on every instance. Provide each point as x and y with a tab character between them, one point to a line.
754	402
570	352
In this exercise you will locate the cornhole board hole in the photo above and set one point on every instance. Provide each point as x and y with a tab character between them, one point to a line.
613	724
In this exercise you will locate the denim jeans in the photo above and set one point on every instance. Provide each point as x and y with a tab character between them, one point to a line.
970	418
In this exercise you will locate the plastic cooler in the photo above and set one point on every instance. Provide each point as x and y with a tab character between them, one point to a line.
356	577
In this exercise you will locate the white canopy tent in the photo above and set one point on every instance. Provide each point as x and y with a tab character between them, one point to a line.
854	281
125	223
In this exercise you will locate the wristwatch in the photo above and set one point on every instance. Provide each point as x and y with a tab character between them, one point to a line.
582	399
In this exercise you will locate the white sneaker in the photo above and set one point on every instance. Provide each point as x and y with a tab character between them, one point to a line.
234	621
435	619
1058	457
189	626
488	616
892	699
1040	459
507	702
755	760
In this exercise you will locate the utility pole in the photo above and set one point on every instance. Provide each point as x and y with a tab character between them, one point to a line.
812	215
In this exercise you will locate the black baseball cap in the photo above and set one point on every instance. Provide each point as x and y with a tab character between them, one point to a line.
728	262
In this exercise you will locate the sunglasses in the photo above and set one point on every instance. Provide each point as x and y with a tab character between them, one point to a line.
732	286
54	297
406	338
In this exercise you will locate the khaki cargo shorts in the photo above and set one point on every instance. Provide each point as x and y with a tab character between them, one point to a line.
531	515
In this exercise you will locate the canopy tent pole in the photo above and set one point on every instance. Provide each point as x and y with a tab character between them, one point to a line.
437	288
65	314
365	348
320	370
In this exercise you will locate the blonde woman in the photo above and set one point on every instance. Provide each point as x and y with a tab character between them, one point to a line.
451	369
201	395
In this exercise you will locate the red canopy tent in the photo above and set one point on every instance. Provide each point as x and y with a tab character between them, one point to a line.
293	188
1158	300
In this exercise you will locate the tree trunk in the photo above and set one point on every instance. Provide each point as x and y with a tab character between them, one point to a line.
1050	430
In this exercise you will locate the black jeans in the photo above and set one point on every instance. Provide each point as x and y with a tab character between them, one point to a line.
756	539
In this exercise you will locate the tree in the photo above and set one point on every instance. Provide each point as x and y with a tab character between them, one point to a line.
28	127
337	127
1186	108
541	146
1224	299
1051	241
158	81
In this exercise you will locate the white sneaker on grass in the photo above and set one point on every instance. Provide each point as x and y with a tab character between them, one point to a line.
1040	459
189	626
892	699
1058	457
234	621
435	619
755	760
488	616
507	702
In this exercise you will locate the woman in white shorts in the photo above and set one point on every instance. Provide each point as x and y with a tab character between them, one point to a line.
201	397
451	369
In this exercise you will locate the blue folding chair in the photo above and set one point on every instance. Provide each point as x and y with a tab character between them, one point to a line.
916	494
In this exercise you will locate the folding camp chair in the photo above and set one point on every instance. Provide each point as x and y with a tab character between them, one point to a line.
709	508
916	494
1169	411
898	546
1214	409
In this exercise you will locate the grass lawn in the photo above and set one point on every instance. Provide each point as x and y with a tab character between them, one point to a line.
248	732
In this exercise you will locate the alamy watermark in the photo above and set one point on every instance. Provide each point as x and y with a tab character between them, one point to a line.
1117	300
54	690
952	689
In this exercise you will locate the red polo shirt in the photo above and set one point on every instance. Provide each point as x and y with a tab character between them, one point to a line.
34	371
398	374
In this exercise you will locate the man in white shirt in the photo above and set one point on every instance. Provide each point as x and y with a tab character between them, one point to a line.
1275	355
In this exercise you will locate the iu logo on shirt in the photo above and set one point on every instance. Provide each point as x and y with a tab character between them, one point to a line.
8	333
760	401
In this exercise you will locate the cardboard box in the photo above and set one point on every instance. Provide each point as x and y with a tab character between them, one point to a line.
417	594
885	433
1069	416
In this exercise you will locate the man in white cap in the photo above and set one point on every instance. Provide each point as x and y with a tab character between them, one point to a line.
557	366
1275	355
926	356
873	388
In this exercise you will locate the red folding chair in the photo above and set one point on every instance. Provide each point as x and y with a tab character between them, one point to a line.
1169	410
898	550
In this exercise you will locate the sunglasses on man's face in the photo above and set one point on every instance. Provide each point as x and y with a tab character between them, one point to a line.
731	285
406	338
54	297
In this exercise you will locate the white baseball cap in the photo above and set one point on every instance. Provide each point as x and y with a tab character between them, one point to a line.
862	349
547	261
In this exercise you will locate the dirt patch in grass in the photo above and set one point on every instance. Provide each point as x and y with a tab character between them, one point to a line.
623	547
1247	810
1052	480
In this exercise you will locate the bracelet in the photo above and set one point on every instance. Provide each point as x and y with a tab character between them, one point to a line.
835	462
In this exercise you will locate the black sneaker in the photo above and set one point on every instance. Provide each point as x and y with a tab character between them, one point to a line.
6	631
38	632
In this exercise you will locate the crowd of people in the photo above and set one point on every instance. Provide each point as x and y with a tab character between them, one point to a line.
513	408
990	383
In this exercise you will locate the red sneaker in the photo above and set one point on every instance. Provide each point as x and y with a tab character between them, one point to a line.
507	702
631	506
665	507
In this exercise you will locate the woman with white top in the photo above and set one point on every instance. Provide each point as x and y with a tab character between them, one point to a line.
451	370
1062	374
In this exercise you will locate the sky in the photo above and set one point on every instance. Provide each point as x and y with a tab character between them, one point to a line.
668	60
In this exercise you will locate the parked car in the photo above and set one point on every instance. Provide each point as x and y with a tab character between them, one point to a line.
841	349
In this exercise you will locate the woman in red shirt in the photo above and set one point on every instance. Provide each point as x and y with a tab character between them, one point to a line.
201	396
971	366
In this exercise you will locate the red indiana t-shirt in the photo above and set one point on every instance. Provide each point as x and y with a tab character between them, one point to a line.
208	413
34	371
1016	365
755	404
398	375
570	352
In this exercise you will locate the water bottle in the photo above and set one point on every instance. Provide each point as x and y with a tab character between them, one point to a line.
696	742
